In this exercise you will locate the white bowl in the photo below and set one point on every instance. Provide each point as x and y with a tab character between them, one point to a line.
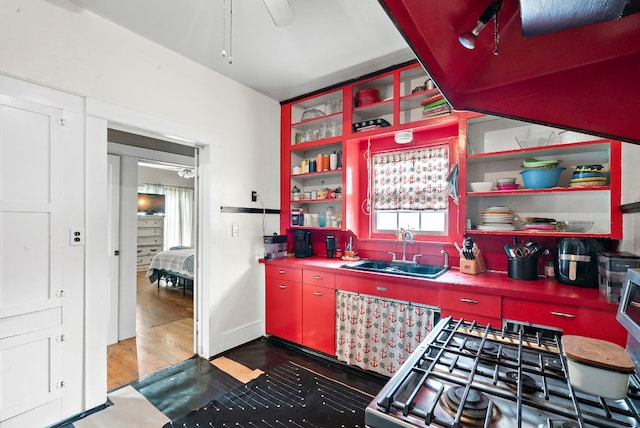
481	186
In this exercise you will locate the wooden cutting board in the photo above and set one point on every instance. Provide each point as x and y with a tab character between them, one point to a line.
597	353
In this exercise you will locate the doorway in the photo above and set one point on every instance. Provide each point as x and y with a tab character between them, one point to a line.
156	325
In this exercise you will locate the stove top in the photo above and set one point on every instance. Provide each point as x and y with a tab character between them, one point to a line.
502	378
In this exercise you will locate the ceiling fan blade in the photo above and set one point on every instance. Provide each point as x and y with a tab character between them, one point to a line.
280	12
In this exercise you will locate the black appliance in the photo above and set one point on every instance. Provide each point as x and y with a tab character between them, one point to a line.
302	243
467	375
577	261
330	244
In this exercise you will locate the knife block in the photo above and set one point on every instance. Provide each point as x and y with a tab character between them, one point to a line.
473	267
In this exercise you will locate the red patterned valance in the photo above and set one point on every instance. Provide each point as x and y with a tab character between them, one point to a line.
412	179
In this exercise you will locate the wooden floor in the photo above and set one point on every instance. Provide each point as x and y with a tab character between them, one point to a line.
164	328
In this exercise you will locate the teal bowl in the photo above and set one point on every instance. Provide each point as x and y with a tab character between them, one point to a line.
541	178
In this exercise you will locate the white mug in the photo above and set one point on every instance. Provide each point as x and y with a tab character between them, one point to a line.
333	161
297	170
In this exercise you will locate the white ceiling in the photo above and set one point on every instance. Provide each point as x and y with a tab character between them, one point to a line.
328	41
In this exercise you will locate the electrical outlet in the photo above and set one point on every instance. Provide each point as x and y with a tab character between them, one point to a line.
76	236
234	230
254	196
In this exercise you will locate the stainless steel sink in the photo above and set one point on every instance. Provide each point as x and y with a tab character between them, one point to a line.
398	268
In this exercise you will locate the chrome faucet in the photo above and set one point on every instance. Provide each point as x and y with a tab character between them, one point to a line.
446	257
407	236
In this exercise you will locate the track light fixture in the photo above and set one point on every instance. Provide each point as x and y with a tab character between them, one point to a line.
468	39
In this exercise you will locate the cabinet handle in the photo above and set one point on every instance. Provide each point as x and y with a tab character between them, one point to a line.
379	288
562	314
318	293
472	301
282	287
282	271
318	277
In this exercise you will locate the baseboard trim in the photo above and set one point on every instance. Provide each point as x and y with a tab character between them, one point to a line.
66	423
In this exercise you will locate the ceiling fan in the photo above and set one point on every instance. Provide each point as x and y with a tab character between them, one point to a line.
280	12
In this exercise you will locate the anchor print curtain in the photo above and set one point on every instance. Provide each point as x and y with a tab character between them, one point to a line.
377	334
411	179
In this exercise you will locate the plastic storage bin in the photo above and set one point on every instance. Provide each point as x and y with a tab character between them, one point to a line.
612	270
275	246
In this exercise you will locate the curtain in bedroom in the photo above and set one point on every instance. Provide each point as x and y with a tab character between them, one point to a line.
178	221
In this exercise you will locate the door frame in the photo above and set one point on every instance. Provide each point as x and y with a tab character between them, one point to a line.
101	116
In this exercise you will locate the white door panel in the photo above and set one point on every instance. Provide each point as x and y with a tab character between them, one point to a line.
113	172
26	258
30	368
25	146
32	236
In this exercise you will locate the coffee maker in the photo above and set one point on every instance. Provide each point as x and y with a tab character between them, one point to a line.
302	243
330	244
577	261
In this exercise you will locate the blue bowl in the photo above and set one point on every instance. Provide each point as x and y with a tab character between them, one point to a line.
541	178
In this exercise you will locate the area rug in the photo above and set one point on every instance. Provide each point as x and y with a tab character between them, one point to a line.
242	373
288	395
129	409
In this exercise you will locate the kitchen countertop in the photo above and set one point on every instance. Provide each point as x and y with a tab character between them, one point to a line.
488	283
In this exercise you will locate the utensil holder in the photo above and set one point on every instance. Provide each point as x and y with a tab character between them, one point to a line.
523	268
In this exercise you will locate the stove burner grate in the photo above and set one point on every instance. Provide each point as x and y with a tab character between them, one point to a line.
450	369
475	407
529	385
486	349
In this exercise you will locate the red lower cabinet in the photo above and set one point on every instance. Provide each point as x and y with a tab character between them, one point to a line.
578	320
319	318
284	309
482	308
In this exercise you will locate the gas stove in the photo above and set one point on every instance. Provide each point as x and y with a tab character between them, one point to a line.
468	375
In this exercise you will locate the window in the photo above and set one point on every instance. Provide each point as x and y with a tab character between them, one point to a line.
410	190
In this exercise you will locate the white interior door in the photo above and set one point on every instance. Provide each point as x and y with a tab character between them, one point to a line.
113	172
32	236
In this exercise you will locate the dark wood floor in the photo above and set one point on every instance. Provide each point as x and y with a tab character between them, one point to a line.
164	328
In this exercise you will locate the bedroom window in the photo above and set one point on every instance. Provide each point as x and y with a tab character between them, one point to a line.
179	213
409	190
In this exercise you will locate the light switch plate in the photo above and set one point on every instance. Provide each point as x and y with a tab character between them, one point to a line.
234	230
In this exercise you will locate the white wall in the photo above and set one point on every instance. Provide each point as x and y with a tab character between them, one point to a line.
162	176
56	44
630	194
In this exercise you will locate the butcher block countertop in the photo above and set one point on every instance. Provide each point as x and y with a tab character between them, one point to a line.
496	283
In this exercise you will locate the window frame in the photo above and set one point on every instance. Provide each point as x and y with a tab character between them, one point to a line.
387	145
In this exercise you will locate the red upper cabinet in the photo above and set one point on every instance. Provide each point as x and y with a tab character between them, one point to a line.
316	129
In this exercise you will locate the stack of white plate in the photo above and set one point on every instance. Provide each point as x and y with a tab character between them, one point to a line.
497	219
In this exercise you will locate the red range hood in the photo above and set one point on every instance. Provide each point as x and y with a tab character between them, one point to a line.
585	79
